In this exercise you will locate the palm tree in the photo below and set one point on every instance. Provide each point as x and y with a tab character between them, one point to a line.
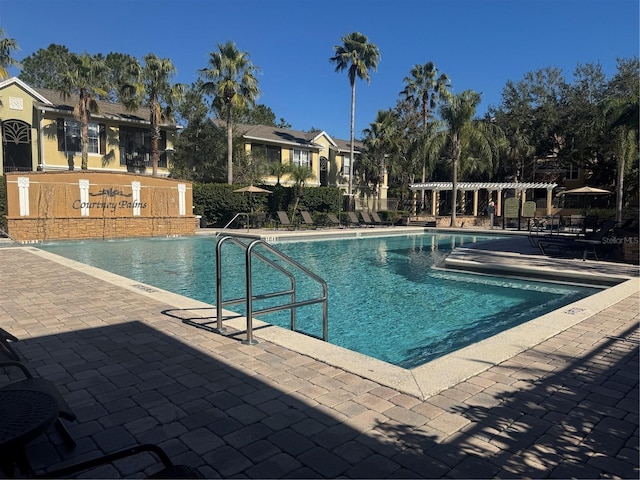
623	131
157	93
425	90
474	142
279	170
299	174
88	78
381	140
231	79
7	47
358	56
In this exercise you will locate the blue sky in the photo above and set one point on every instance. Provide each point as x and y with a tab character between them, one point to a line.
479	44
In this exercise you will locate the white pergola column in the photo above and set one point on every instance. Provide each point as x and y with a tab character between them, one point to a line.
498	202
434	203
549	198
475	203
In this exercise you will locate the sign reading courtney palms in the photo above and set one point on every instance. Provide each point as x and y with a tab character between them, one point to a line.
109	200
86	204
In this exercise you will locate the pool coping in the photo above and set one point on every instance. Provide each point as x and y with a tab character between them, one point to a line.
421	382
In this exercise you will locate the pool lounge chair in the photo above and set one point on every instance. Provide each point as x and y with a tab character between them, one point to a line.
334	220
307	220
367	219
378	220
283	221
588	244
353	220
169	470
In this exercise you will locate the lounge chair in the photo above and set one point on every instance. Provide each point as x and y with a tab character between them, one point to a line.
46	386
283	220
353	220
588	244
378	220
9	358
7	351
333	220
367	219
307	220
169	470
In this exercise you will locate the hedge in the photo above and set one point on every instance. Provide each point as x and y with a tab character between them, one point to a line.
218	203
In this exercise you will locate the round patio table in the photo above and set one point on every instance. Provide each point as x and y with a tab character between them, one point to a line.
24	415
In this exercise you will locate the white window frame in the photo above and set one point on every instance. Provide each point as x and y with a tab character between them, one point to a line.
346	160
73	126
301	158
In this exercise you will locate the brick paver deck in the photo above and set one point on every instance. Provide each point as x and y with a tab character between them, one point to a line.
567	407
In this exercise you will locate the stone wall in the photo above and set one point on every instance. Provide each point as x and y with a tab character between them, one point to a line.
96	205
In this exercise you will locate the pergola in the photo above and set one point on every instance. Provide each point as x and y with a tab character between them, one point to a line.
491	187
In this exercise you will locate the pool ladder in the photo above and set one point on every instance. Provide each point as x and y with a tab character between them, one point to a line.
250	253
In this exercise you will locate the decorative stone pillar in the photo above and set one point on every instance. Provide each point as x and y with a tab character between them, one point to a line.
135	190
23	194
182	209
84	197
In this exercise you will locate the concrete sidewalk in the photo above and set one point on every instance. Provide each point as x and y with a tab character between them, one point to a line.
134	373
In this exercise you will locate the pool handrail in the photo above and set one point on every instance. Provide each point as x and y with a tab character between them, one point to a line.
249	298
233	220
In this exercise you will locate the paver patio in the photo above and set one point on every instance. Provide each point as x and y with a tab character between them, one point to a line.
567	407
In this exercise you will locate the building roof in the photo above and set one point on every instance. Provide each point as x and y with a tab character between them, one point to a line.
285	136
482	186
55	101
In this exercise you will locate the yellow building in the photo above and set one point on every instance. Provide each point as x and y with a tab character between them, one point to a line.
39	132
327	157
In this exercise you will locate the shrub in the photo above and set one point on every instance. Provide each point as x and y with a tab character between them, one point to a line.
218	203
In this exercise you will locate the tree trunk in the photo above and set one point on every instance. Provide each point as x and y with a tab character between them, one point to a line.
229	147
352	138
84	134
454	166
619	188
155	137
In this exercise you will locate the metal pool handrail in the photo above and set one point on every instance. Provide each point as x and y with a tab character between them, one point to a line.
250	252
232	220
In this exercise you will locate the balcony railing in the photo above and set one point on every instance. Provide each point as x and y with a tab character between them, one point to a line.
140	162
7	169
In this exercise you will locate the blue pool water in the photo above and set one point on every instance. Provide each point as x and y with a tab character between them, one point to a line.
385	299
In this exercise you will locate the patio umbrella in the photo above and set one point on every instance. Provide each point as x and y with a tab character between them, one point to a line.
585	192
251	189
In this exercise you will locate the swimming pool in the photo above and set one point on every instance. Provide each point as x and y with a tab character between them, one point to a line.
385	299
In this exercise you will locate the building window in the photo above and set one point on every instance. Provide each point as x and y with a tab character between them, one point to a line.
270	153
70	139
301	158
573	172
346	161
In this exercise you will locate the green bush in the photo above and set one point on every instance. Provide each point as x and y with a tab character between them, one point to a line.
218	203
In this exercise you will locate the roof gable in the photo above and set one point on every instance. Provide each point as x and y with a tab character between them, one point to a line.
31	91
